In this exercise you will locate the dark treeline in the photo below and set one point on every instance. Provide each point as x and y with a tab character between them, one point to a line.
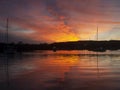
88	45
75	45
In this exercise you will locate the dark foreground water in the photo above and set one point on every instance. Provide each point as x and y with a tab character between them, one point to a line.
62	70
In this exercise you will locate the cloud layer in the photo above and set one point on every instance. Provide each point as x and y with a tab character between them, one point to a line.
60	20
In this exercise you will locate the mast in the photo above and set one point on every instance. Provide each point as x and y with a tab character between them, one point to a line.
7	32
97	56
97	34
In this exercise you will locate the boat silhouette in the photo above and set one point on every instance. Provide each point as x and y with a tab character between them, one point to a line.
9	48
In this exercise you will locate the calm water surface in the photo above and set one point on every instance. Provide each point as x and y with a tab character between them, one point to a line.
61	70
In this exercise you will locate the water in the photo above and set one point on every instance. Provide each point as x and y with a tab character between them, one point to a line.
61	70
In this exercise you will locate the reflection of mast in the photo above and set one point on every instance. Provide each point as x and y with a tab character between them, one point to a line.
97	66
7	72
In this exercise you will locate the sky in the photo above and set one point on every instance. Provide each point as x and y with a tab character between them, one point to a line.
37	21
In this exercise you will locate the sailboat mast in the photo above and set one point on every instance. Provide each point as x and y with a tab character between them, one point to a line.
97	33
7	31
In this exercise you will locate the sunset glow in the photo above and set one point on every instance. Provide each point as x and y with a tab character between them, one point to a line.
38	21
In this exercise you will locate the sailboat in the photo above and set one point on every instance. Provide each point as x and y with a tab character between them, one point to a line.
98	49
9	49
54	49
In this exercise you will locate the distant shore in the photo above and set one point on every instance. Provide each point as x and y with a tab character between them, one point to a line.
99	46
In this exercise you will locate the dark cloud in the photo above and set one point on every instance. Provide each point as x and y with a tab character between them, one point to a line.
15	38
52	8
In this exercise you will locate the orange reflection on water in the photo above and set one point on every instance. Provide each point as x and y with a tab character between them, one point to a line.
65	69
57	66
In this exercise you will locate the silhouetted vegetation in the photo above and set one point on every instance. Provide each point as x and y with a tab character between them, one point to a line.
75	45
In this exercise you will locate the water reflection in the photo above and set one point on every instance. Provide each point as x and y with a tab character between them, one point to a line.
63	70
